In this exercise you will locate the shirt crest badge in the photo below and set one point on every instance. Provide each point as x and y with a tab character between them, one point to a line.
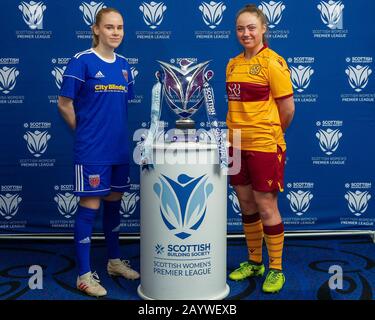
94	180
255	69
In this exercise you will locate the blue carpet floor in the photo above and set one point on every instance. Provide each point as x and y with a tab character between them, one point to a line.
306	265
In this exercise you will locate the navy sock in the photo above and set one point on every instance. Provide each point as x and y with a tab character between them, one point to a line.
84	222
111	226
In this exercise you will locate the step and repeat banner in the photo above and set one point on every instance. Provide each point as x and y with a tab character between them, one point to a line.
329	46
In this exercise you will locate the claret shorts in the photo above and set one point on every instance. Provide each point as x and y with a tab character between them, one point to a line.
264	171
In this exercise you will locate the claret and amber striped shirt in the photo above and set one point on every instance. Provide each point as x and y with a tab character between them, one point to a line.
252	86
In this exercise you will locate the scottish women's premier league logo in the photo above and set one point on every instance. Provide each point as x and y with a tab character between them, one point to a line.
183	203
183	88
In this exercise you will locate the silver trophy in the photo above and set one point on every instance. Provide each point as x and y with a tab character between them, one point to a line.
183	89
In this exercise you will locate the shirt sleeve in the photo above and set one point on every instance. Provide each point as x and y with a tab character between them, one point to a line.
130	84
279	77
73	78
228	69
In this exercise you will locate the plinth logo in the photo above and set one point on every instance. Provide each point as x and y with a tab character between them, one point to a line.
331	13
357	201
273	11
90	10
358	76
153	13
299	201
183	203
301	77
8	79
9	205
67	204
328	140
37	142
212	13
32	14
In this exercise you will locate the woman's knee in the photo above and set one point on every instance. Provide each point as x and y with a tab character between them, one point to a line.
267	205
246	199
248	206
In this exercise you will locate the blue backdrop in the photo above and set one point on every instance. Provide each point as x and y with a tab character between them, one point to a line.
329	46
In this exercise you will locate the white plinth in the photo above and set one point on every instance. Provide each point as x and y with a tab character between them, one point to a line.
183	224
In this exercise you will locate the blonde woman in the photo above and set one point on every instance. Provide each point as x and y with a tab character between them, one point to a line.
97	85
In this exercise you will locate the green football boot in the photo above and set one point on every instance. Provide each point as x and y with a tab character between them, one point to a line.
246	270
274	281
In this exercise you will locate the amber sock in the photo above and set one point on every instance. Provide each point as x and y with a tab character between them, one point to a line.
274	238
253	229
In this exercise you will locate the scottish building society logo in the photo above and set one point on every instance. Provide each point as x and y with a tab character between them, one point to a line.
212	13
331	13
153	13
37	142
301	77
357	201
358	76
273	11
183	203
159	248
9	204
90	10
299	201
328	140
32	14
67	204
8	79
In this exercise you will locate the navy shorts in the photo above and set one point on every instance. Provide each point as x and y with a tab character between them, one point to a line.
100	180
